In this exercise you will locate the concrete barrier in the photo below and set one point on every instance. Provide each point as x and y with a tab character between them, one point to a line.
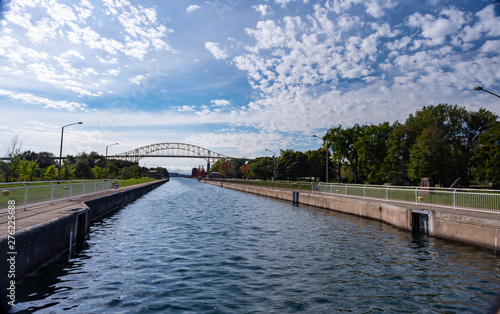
38	244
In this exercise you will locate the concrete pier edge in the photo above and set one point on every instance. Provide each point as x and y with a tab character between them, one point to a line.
455	225
39	244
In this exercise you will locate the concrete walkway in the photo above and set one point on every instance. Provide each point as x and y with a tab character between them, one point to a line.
43	213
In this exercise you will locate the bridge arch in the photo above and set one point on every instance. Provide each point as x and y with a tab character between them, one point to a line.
172	150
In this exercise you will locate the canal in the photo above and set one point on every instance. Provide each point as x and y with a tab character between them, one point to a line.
194	247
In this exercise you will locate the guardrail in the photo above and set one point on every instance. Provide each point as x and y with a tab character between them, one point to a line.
29	194
468	199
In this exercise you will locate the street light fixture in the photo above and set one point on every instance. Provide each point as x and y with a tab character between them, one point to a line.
60	149
479	88
326	146
106	159
274	164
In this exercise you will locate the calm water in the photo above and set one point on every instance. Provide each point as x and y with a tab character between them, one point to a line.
193	247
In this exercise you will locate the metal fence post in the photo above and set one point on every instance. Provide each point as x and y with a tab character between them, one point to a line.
455	199
416	195
51	192
387	193
25	195
95	186
364	191
70	188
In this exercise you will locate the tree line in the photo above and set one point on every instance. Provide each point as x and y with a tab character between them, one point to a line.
449	144
33	166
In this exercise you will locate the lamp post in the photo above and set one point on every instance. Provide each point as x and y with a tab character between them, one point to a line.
274	164
326	146
60	149
479	88
106	160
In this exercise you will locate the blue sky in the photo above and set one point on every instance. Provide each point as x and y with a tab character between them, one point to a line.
234	76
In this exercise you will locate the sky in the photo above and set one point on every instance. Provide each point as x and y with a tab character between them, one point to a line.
236	77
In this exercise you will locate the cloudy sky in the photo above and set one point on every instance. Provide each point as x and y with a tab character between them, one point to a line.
234	76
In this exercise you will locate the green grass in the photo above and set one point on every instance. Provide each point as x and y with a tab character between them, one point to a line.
129	182
299	185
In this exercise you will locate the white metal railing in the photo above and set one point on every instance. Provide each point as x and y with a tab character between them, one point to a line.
29	194
468	199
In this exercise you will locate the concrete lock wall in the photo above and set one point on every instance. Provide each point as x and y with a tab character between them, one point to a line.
484	232
389	213
41	243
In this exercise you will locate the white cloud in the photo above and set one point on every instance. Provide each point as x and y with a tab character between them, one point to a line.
491	46
215	50
263	9
488	23
220	102
294	66
186	108
437	29
48	103
75	47
138	79
192	8
374	8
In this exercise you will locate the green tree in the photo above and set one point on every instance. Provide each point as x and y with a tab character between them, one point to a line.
395	166
112	169
317	160
430	157
238	163
82	169
341	142
371	147
215	166
70	160
51	173
28	169
98	172
163	171
136	172
66	172
46	159
292	165
487	156
477	124
459	129
261	168
127	172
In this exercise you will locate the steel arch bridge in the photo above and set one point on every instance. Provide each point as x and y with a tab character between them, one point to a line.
174	150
